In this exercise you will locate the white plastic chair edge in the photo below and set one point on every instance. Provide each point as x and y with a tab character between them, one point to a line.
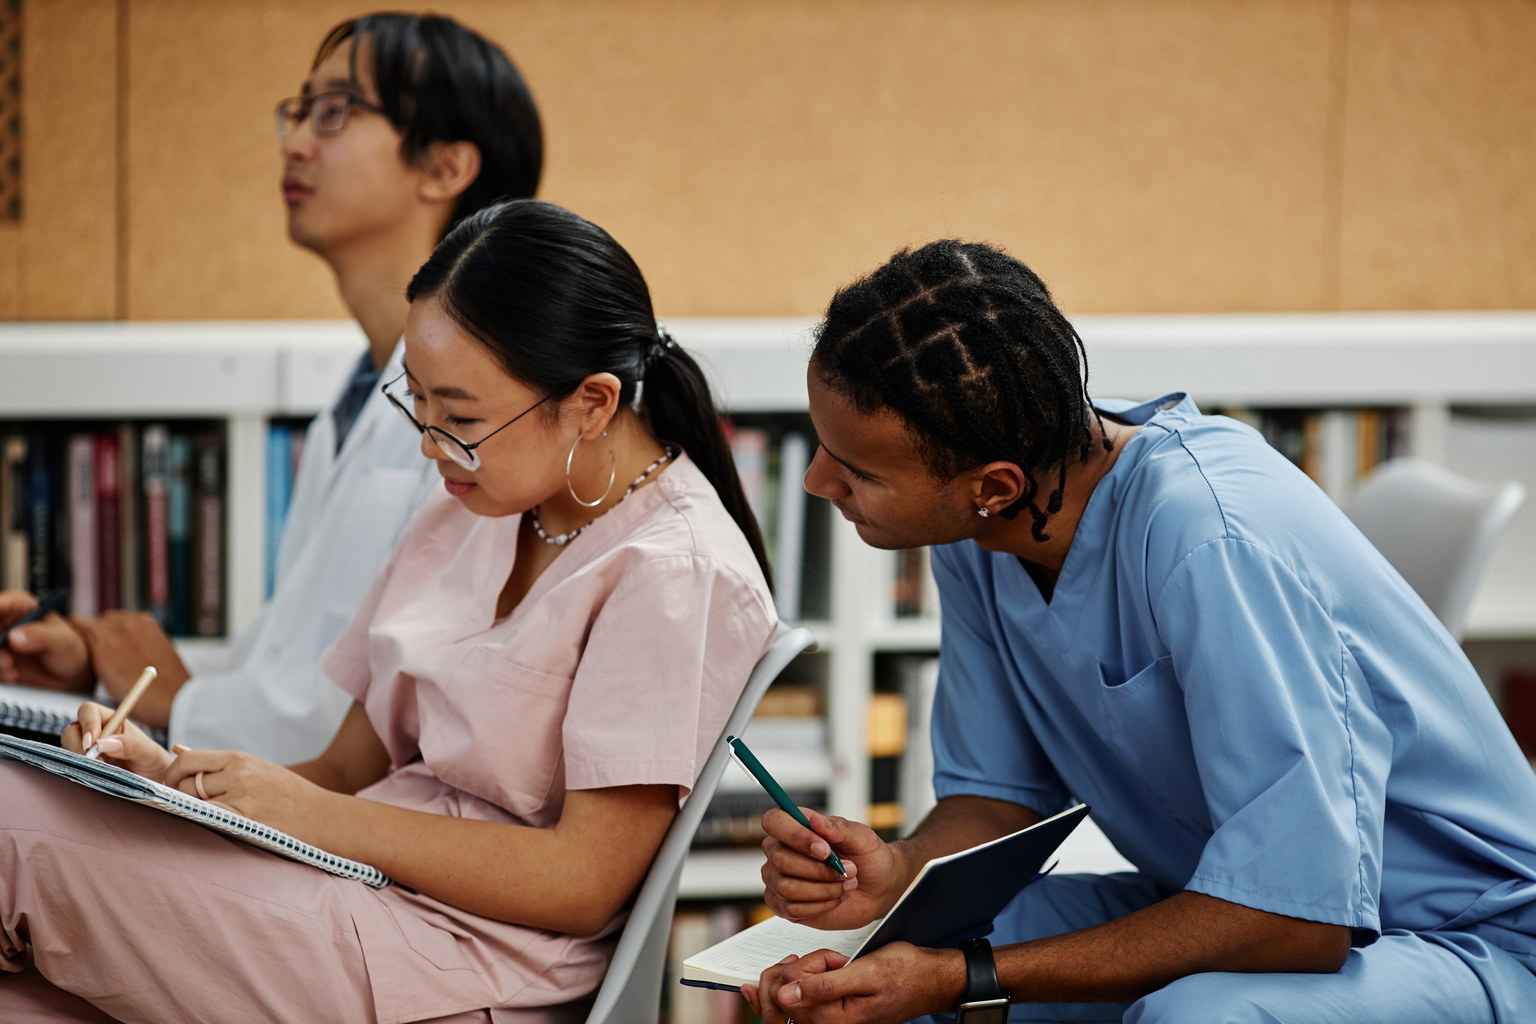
631	991
1510	496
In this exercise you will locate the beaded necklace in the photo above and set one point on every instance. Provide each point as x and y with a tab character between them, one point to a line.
566	538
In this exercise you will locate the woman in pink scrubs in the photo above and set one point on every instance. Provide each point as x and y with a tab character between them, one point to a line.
539	672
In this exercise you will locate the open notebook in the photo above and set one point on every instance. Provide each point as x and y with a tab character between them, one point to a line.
119	782
32	711
952	898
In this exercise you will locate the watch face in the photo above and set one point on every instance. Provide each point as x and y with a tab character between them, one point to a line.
983	1011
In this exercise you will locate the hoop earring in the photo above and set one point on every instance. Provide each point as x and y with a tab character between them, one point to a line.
613	472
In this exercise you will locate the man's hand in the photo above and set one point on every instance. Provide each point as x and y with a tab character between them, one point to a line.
895	983
48	653
800	887
121	644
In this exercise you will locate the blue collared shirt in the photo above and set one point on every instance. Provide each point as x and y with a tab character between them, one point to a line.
349	405
1254	703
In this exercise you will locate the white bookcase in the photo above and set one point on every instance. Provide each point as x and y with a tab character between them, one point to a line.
249	372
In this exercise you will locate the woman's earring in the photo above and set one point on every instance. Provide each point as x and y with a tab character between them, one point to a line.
983	512
613	472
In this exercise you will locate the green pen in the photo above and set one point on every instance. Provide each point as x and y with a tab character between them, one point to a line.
747	760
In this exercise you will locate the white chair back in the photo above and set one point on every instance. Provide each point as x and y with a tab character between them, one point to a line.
1436	528
631	991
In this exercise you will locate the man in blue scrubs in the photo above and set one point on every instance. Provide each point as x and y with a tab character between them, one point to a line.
1330	819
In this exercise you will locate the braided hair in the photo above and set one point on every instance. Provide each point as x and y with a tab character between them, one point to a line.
963	342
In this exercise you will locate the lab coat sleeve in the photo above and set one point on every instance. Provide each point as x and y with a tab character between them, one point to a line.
1289	750
982	742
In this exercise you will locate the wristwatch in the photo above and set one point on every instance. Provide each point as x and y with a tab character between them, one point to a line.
984	1001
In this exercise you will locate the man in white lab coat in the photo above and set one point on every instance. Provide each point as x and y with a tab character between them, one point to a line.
405	125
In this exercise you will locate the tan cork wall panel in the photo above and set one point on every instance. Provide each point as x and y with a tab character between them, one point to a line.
754	156
1143	155
1440	155
60	262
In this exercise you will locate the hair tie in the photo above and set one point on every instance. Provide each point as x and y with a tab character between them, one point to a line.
659	348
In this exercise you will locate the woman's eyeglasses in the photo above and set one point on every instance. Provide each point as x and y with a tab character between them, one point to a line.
461	452
328	112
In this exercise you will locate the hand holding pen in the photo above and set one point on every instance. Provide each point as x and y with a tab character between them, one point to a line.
38	646
754	767
101	732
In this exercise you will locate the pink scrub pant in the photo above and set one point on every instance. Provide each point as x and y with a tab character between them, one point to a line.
110	911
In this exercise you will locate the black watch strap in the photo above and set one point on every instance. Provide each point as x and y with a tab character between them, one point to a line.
980	972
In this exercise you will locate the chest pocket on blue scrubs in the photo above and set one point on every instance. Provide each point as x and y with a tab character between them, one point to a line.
1146	725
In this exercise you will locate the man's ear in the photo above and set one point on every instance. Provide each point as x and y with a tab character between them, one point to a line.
448	168
997	485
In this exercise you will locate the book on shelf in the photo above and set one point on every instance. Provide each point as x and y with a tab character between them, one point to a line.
41	577
13	512
279	484
81	496
130	540
771	461
156	463
886	737
208	536
114	511
794	455
178	531
109	527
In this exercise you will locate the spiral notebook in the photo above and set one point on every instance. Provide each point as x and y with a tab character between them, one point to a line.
46	713
119	782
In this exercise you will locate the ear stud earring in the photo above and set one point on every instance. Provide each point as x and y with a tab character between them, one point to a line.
983	512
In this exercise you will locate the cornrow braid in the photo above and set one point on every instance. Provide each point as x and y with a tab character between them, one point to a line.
964	343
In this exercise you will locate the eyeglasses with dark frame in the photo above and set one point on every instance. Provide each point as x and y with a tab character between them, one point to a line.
331	111
461	452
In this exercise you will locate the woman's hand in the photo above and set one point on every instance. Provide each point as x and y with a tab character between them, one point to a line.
895	983
253	787
800	887
129	749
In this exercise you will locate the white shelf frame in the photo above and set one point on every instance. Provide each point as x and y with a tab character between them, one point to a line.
248	372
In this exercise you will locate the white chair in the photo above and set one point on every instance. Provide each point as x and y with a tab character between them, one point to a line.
631	991
1436	528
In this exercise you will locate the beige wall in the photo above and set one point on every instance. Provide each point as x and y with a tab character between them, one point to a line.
1143	155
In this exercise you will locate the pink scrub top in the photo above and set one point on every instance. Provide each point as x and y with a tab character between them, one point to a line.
618	668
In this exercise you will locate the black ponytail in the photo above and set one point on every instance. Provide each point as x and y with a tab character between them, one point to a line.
677	402
555	299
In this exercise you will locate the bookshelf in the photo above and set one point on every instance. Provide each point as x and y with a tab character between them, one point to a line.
250	373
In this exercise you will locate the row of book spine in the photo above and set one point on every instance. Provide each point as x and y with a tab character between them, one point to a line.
129	517
771	464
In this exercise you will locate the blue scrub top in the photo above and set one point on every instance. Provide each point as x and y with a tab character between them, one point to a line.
1254	703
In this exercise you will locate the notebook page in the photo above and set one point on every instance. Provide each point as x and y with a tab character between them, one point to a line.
748	953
